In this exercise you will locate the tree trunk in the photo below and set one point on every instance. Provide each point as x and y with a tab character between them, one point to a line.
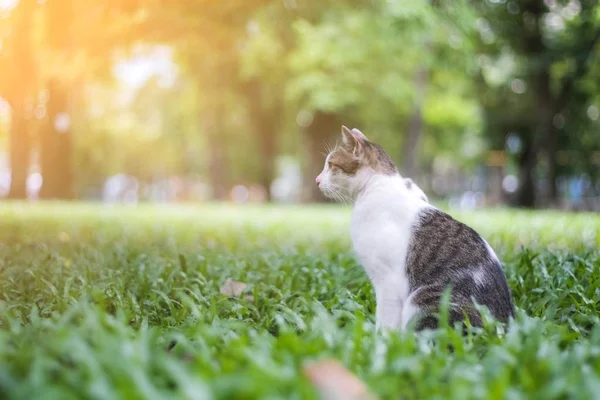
265	125
552	148
324	128
546	134
268	148
496	174
56	145
217	168
57	136
19	87
20	145
413	137
526	194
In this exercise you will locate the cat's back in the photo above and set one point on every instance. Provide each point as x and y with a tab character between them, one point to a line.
444	251
438	235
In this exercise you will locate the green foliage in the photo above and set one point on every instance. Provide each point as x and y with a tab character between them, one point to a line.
92	299
361	63
267	66
540	67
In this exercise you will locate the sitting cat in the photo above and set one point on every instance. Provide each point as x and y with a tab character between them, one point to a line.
411	251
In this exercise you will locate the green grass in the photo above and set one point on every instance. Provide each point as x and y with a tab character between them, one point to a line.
91	298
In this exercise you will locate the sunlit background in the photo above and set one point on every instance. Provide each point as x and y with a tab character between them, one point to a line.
482	103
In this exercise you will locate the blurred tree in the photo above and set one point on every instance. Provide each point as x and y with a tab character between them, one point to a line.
339	76
538	53
44	51
56	136
263	75
199	28
17	84
256	75
79	37
372	66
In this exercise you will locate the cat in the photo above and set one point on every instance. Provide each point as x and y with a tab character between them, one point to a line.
411	251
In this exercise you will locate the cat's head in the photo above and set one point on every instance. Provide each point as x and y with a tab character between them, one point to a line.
349	166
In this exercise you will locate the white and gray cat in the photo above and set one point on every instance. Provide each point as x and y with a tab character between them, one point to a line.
411	251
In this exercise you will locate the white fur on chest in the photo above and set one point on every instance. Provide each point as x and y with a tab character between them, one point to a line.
381	230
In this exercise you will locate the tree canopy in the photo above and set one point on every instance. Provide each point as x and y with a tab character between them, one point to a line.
219	91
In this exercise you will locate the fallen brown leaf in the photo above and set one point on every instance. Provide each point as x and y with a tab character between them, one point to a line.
232	288
335	382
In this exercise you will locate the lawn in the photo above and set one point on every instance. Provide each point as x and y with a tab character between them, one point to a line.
125	303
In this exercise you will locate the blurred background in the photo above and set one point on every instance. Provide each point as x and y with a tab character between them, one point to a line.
483	103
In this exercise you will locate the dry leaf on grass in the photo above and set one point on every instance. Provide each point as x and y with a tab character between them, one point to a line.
233	288
335	382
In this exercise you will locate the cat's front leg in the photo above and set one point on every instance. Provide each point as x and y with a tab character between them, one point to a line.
388	312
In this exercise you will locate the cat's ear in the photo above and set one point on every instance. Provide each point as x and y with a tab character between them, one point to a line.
353	139
347	137
358	135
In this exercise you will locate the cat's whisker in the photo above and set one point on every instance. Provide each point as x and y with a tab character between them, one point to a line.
339	195
341	189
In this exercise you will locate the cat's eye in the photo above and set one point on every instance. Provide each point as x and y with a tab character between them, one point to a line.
332	165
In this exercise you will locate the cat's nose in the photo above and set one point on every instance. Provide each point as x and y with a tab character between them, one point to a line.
318	180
